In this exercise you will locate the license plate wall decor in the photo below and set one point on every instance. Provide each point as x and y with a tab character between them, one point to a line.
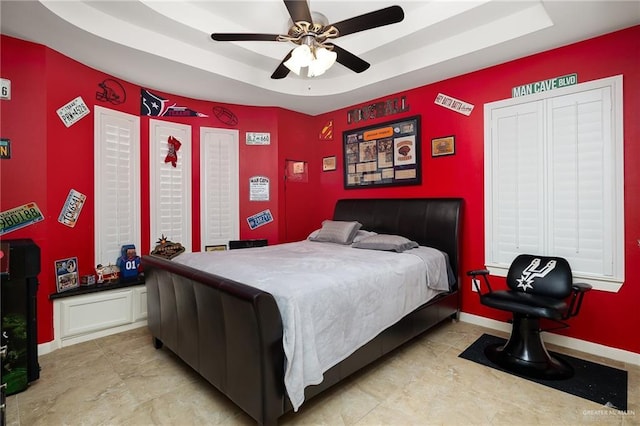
19	217
386	154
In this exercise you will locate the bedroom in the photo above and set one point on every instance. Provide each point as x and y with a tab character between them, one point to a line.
43	80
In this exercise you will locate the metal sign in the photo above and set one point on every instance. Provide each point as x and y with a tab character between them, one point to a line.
258	188
19	217
5	89
71	209
5	149
545	85
260	219
255	138
73	111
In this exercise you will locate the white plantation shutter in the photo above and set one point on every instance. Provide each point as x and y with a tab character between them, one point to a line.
219	199
581	161
170	187
517	154
116	183
554	180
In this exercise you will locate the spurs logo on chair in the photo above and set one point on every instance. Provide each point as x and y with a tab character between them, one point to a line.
529	274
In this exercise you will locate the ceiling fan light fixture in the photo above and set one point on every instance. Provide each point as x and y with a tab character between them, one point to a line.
301	57
317	60
324	59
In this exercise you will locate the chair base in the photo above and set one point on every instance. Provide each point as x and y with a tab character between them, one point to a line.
525	354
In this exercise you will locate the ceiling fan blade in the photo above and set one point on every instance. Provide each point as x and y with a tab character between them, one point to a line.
350	60
378	18
282	71
298	10
244	37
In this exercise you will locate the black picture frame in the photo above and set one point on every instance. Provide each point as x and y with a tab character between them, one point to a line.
385	154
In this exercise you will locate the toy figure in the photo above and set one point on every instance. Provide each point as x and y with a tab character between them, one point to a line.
129	263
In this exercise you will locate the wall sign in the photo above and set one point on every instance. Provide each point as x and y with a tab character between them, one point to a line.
72	112
258	188
5	149
5	89
256	138
259	219
154	105
71	209
19	217
386	154
377	110
454	104
545	85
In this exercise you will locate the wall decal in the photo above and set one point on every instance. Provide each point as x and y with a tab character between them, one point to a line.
155	106
72	112
259	219
225	116
71	209
377	110
172	155
5	149
112	92
326	134
258	188
19	217
453	104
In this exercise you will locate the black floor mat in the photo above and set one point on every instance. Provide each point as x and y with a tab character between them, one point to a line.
595	382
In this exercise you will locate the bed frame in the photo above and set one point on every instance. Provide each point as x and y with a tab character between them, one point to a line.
231	333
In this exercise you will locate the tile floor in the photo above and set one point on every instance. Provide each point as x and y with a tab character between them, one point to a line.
123	380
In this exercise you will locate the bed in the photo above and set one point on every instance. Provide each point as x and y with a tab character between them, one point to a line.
232	333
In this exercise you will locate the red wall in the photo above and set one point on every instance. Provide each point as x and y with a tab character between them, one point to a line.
48	159
43	80
607	318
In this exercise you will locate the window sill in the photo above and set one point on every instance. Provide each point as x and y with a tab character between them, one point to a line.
94	288
602	284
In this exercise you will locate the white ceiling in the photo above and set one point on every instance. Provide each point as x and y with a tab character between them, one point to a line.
166	45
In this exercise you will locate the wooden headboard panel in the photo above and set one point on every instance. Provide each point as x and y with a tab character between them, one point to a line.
432	222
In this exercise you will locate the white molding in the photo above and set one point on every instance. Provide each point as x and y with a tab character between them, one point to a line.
63	333
563	341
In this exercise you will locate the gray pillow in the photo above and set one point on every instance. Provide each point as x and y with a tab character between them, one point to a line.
386	242
339	232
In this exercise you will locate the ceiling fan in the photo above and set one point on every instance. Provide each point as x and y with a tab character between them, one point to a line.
316	51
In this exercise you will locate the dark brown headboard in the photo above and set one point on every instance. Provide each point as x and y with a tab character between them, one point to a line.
432	222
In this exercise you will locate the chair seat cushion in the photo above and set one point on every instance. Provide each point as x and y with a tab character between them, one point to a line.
524	303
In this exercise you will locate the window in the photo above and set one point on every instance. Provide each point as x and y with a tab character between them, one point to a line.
116	183
219	200
170	182
554	180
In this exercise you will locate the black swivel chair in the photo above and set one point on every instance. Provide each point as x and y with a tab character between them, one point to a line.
539	287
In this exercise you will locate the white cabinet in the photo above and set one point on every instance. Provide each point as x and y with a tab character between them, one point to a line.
90	316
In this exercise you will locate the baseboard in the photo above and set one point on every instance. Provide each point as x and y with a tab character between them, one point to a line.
563	341
45	348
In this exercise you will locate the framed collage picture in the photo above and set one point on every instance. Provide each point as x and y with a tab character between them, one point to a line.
386	154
